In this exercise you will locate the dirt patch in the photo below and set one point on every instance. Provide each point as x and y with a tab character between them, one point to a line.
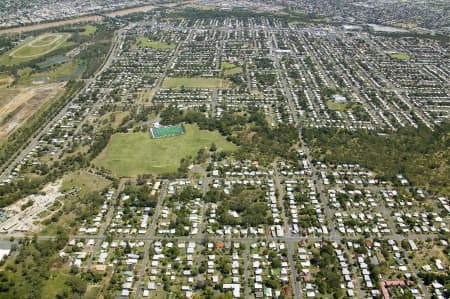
21	103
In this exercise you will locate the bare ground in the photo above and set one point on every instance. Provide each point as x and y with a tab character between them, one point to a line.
21	103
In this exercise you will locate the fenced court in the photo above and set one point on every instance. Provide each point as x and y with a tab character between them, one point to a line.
166	131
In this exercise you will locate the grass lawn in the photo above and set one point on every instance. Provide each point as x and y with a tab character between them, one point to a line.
146	43
114	118
147	95
233	71
336	106
25	71
400	56
87	181
5	79
88	30
227	65
130	154
230	69
54	285
195	82
34	48
6	94
67	69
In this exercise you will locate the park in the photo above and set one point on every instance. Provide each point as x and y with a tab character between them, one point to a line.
131	154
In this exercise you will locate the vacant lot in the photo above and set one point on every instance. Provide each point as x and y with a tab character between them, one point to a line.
18	104
130	154
146	43
86	181
114	118
195	82
34	48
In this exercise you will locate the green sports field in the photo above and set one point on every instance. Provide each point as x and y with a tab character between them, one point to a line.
34	48
195	82
230	69
131	154
167	131
400	56
146	43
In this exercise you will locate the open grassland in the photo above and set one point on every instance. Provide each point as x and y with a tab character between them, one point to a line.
65	70
114	119
5	79
400	56
146	43
88	30
131	154
227	65
6	94
195	82
336	106
86	181
34	48
230	69
55	285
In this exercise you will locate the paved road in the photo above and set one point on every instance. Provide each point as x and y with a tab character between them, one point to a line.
151	234
114	51
287	232
338	238
105	225
35	141
169	64
246	271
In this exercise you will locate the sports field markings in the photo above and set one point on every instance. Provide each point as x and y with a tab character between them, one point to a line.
166	131
57	41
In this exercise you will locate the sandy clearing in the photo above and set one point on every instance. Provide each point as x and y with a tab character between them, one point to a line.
20	107
22	221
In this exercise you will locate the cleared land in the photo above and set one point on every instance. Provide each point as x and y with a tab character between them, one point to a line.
195	82
400	56
34	48
26	218
18	104
146	43
131	154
